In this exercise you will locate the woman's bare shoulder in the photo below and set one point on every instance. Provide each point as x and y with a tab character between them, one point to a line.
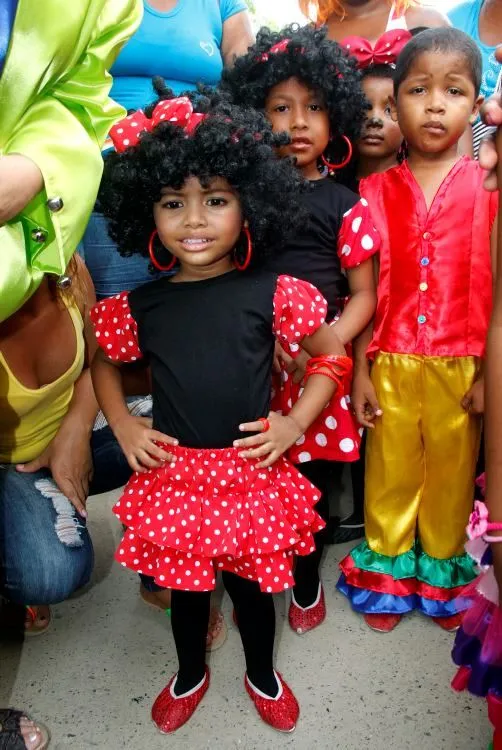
425	15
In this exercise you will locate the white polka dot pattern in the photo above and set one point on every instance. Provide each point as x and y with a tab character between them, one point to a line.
115	329
299	310
358	238
211	510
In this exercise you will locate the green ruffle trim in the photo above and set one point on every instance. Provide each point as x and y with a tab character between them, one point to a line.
445	574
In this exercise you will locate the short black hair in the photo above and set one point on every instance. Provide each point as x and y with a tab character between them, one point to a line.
379	71
234	143
321	64
444	40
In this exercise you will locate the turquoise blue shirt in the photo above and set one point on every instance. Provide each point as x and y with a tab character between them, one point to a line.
182	45
466	18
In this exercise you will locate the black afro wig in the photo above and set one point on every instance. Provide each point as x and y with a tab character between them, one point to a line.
233	143
309	56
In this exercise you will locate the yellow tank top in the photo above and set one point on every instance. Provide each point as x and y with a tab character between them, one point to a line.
30	418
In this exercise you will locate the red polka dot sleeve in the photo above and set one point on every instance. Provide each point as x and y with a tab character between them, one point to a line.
299	310
358	238
115	329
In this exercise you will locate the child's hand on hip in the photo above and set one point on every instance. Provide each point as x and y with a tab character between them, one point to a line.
474	400
364	400
139	443
275	435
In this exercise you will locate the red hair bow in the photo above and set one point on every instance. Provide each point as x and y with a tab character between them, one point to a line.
385	51
275	49
127	132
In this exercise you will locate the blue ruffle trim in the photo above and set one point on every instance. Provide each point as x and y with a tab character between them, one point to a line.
373	603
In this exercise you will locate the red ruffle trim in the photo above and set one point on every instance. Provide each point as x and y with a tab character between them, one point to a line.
211	510
385	584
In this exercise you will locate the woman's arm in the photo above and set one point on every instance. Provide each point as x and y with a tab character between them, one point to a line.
493	418
58	137
237	37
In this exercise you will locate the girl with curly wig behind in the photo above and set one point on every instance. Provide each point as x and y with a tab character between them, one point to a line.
208	192
309	88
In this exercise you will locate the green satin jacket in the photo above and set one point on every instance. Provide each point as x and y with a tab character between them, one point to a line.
55	109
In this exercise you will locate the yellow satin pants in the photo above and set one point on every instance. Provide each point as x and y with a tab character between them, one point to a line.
421	456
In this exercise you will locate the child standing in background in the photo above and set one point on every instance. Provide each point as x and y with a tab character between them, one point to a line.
377	149
426	387
309	89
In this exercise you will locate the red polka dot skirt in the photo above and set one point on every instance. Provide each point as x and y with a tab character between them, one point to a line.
212	510
334	436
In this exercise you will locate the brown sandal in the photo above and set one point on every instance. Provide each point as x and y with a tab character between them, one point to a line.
33	616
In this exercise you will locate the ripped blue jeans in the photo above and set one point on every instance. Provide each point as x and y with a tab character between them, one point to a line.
45	549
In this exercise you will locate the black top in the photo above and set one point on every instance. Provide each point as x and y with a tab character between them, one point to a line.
313	255
210	345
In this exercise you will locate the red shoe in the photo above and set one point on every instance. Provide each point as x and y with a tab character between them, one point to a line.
382	623
280	713
451	624
170	712
302	620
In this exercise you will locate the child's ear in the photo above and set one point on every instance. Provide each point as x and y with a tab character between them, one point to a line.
475	109
393	108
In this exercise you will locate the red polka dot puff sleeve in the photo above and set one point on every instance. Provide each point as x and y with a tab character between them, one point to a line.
358	239
115	329
299	310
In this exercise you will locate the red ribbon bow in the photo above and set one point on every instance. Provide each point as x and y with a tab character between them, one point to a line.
275	49
385	51
127	132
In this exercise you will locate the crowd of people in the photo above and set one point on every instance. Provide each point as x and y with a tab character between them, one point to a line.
290	266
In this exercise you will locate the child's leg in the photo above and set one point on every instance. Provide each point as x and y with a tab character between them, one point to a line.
395	470
451	440
256	618
351	528
321	474
378	575
190	619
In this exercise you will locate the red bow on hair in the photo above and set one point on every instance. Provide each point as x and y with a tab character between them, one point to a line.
385	51
127	132
279	47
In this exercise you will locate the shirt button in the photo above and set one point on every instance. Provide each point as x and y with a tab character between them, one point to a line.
423	286
422	319
427	235
424	262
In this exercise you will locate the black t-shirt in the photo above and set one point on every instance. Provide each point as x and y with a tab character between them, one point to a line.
313	255
210	345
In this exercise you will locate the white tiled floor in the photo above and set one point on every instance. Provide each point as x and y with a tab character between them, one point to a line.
93	677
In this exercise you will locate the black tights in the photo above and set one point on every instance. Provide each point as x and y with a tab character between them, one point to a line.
256	617
323	475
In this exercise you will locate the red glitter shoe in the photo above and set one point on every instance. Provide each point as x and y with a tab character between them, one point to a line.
170	712
451	624
280	713
382	623
301	620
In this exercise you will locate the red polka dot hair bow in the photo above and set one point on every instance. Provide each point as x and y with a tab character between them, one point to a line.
127	132
385	51
275	49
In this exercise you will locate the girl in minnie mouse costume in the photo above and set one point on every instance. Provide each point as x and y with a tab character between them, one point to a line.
208	192
309	88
